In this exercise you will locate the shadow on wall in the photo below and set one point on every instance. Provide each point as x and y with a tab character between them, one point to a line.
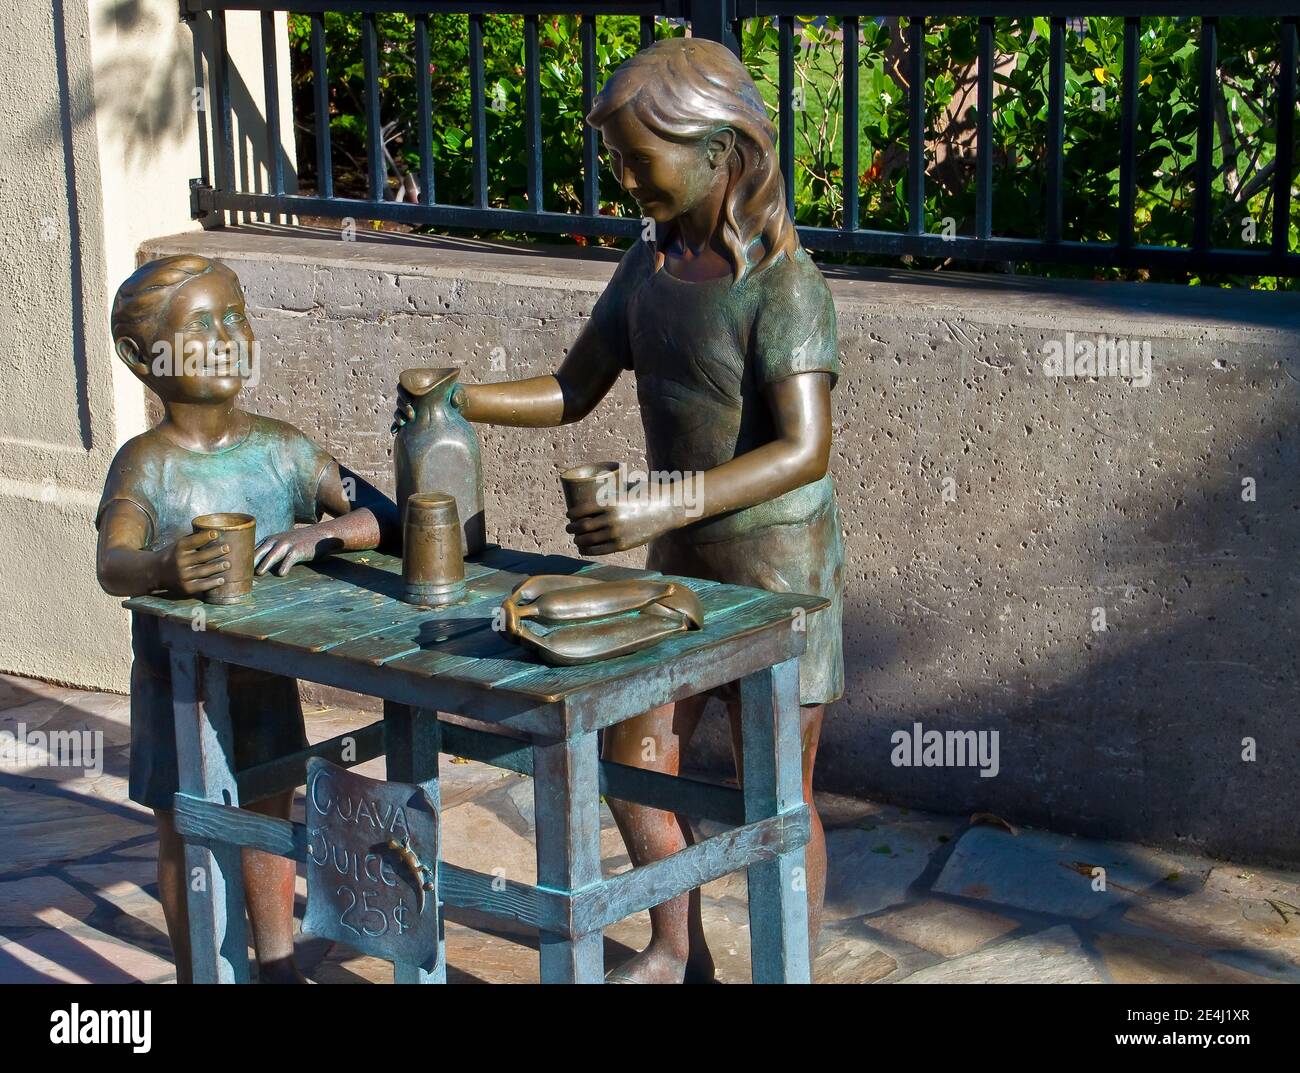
1115	594
1180	709
150	96
251	151
64	122
144	95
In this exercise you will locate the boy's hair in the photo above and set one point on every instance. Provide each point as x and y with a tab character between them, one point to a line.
683	89
143	298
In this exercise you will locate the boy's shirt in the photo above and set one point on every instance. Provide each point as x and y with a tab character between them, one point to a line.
273	474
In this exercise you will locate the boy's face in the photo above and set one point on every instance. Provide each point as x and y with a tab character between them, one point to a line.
203	349
665	178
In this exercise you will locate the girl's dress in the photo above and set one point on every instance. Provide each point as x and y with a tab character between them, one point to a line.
702	354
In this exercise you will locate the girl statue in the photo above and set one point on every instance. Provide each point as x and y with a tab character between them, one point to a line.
729	330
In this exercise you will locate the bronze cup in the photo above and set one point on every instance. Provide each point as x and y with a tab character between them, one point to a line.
239	531
433	568
589	487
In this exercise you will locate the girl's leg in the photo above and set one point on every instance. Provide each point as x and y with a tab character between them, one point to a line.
172	893
268	892
810	729
655	741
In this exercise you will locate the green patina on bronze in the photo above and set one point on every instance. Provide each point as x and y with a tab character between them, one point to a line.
437	450
574	620
180	325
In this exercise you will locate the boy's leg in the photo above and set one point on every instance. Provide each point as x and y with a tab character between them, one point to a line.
810	731
268	891
655	741
172	893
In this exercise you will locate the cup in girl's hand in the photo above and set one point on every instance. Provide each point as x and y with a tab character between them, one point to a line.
239	531
589	488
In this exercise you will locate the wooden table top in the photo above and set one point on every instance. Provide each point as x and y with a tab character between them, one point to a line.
348	607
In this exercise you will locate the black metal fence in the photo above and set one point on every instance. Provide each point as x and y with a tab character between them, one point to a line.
218	192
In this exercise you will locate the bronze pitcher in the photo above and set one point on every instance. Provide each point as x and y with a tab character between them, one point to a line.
438	451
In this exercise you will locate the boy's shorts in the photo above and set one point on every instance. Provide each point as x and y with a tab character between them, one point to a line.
264	709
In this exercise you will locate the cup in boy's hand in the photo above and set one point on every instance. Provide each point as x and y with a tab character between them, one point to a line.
237	531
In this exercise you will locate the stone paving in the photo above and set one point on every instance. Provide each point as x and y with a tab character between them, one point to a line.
912	897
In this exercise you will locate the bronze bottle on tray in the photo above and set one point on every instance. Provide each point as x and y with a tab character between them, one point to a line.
437	450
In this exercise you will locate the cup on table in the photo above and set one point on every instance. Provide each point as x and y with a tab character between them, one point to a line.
433	568
239	532
589	488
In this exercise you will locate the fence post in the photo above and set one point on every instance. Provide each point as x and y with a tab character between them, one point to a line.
712	19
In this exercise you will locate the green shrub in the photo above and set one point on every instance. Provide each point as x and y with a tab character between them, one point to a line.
1245	131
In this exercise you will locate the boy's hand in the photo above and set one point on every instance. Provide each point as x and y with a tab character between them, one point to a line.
285	550
193	564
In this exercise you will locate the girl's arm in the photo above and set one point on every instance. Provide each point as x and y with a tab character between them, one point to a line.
362	518
584	377
797	455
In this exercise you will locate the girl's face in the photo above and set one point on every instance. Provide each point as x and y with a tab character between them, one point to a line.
665	178
203	350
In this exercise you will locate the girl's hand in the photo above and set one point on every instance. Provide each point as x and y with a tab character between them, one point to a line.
192	565
404	411
639	514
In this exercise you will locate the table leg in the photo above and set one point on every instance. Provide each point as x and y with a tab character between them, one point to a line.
566	797
205	751
412	742
773	783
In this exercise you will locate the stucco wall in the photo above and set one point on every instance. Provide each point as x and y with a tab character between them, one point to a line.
97	147
992	514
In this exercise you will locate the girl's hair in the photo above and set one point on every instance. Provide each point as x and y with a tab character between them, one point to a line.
684	89
143	299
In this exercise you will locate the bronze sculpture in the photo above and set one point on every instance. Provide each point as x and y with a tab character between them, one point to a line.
729	329
238	535
180	325
437	450
433	565
583	621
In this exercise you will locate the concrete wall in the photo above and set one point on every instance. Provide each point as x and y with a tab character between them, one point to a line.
98	144
993	514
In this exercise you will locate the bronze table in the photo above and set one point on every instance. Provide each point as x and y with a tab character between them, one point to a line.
341	622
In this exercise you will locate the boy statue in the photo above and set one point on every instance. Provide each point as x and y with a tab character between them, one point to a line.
179	324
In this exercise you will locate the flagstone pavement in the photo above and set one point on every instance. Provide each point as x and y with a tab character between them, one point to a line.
912	897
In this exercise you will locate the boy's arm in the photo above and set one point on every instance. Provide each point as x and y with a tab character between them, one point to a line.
362	518
190	566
